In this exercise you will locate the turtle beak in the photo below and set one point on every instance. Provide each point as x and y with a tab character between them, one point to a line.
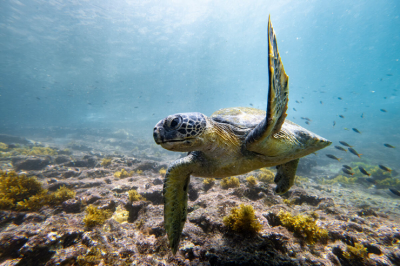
159	133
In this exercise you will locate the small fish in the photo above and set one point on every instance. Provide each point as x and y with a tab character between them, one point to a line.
345	144
362	170
347	171
356	130
353	151
345	128
362	115
347	167
384	168
395	191
294	109
340	98
383	110
341	116
306	118
371	180
340	148
389	146
321	102
297	102
334	123
38	98
307	122
251	104
333	157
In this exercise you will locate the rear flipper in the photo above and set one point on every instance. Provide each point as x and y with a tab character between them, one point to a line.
285	176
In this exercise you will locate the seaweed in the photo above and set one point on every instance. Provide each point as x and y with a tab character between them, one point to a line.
208	183
230	182
356	252
123	173
265	175
121	215
105	161
163	171
338	179
251	181
303	225
134	195
19	192
95	216
242	220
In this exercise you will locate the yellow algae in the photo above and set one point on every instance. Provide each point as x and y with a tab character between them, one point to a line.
163	171
230	182
303	225
120	215
251	181
134	195
105	161
95	216
265	175
242	220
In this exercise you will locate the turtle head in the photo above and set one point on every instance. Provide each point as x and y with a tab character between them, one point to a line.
181	132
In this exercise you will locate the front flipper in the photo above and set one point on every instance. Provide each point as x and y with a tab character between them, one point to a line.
277	98
285	176
175	194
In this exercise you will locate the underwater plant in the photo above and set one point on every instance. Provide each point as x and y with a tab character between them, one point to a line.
356	252
19	192
95	216
105	161
230	182
121	215
134	195
208	183
265	175
139	172
123	173
163	171
303	225
251	181
242	220
338	179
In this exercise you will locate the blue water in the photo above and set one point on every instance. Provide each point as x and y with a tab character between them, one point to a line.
128	64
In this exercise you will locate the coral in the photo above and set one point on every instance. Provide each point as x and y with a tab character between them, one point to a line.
123	173
356	252
120	215
302	225
242	220
230	182
251	181
265	175
106	162
95	216
134	195
163	171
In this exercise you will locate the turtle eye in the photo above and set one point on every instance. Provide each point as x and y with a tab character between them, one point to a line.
175	123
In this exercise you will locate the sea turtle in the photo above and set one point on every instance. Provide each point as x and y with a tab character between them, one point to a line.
233	141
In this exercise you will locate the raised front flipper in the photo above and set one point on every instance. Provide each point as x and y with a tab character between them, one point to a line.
175	194
277	98
285	176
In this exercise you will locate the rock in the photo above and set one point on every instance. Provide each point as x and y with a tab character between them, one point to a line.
62	159
9	139
300	196
193	192
154	194
33	163
157	181
134	209
94	173
70	173
72	206
10	244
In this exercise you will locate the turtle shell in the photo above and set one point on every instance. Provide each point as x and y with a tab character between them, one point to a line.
240	117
